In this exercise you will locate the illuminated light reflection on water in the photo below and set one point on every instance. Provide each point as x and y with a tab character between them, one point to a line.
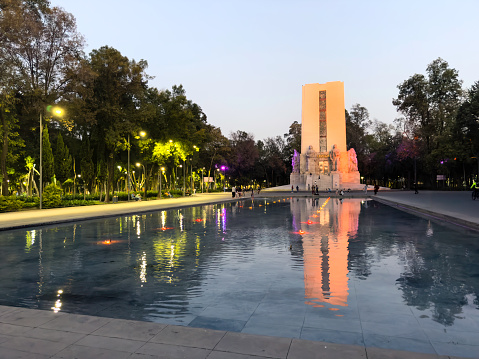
283	262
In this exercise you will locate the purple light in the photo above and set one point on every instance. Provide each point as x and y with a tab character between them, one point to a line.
223	168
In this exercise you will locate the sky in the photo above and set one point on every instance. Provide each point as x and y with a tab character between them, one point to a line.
244	62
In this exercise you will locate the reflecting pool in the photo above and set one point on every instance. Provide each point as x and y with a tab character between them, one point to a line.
347	271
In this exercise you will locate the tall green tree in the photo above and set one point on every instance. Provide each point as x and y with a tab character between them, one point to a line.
48	159
119	89
467	123
429	105
63	160
357	125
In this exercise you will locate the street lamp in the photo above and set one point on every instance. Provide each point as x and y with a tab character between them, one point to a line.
144	174
162	170
141	134
223	168
58	112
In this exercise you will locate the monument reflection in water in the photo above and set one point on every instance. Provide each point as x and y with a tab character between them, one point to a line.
326	227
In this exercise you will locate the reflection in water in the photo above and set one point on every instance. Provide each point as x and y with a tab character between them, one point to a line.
325	247
167	265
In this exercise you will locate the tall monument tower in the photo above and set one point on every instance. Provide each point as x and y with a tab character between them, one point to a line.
324	160
323	121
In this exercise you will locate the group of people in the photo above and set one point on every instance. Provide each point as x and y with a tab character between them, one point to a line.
239	191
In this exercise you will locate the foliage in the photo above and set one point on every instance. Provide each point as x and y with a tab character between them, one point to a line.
52	196
63	160
48	160
10	204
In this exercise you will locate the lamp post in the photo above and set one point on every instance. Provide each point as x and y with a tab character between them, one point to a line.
141	134
57	111
223	168
144	174
162	169
184	178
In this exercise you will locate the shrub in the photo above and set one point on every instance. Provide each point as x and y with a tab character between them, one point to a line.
52	196
10	204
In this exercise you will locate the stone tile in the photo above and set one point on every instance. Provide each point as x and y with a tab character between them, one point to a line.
218	324
278	318
4	338
339	323
460	350
54	335
5	309
129	329
161	319
378	353
13	330
36	346
28	317
301	349
393	329
17	354
237	312
165	351
76	323
189	337
396	343
224	355
82	352
121	344
451	336
254	345
276	330
387	318
332	336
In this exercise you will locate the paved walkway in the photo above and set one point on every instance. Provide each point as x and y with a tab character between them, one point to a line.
456	207
29	333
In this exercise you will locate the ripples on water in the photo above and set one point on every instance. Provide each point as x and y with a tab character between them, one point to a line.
173	265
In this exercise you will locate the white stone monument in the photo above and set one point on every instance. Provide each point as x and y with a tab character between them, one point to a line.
324	160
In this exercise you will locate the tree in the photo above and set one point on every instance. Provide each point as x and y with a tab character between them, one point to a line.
430	106
63	161
47	158
243	157
357	124
87	166
467	122
118	91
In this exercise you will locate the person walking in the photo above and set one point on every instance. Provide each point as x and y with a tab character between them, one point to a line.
415	188
233	191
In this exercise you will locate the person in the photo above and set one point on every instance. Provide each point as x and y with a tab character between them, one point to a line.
376	189
365	188
297	188
415	188
475	189
233	191
138	197
292	188
252	192
259	189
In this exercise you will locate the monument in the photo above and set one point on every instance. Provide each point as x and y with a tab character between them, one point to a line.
324	160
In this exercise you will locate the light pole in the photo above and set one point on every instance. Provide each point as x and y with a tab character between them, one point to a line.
184	178
141	134
162	169
57	111
202	179
144	174
223	168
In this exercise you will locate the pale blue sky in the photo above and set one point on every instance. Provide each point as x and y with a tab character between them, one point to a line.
244	62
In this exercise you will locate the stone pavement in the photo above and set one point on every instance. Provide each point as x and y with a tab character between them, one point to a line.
29	333
455	207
